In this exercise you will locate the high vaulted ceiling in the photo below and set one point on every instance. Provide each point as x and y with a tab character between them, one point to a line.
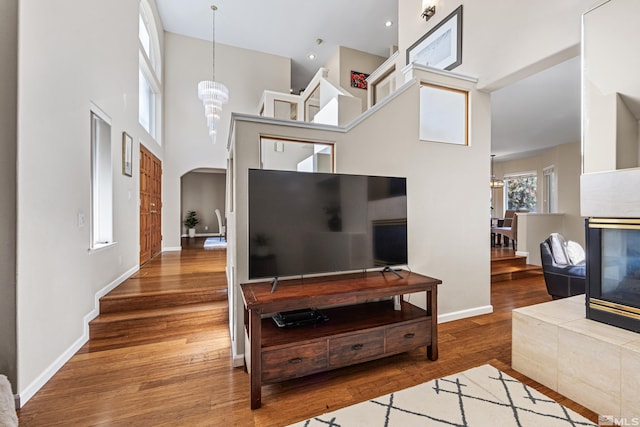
528	116
289	28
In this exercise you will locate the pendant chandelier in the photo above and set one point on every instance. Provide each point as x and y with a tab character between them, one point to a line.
495	182
212	93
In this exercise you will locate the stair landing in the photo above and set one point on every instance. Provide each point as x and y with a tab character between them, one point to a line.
506	265
173	293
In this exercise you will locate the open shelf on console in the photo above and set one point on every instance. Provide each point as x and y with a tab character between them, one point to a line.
342	320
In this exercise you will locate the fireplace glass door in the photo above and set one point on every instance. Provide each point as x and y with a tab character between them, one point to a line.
620	266
613	272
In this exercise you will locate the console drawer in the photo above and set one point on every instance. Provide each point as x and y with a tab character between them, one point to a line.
406	337
352	348
293	362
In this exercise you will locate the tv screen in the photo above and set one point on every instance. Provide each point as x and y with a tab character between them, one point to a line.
305	223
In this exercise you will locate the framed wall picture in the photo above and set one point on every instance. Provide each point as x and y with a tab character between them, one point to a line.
127	154
359	79
441	47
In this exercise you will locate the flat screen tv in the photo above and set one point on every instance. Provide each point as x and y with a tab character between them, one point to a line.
305	223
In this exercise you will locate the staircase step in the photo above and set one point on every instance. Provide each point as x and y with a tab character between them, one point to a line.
116	303
504	273
163	320
514	260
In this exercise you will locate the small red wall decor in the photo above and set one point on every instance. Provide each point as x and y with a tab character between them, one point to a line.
359	80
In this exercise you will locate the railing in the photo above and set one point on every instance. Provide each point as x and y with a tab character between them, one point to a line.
321	102
382	82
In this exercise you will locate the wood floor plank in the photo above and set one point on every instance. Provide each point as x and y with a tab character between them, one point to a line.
188	380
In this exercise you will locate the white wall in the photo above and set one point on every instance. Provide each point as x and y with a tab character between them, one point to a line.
356	60
203	192
568	176
533	229
187	144
8	139
443	188
610	80
529	36
343	61
607	189
70	54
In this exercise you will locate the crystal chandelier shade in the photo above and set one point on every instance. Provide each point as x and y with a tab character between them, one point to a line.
495	182
212	93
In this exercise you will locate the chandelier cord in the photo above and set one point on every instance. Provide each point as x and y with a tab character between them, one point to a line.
213	40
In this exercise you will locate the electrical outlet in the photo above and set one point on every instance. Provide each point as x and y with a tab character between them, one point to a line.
80	219
206	228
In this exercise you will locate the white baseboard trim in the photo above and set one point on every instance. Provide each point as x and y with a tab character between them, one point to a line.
524	254
238	361
204	235
102	292
462	314
172	249
51	370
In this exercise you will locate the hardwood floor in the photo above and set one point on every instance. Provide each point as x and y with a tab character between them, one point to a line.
185	378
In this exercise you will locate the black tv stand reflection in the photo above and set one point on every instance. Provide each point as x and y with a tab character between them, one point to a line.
389	269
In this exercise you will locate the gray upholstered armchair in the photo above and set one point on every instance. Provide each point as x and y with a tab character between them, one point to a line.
562	277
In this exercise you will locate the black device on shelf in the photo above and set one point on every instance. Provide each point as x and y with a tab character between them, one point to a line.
307	223
298	318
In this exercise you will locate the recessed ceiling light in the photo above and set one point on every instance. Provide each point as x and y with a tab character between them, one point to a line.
388	23
312	56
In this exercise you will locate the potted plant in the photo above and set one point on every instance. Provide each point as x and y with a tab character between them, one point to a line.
190	222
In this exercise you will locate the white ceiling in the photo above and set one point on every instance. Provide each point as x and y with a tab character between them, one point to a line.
529	116
536	113
289	28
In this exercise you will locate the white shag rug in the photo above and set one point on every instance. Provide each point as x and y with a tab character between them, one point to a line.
8	417
479	397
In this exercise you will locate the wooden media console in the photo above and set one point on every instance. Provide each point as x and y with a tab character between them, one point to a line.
360	326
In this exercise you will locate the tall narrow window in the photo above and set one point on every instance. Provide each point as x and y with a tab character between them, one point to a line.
550	193
149	80
144	34
146	111
521	191
101	183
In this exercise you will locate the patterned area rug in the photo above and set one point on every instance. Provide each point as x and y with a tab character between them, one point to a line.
215	242
482	396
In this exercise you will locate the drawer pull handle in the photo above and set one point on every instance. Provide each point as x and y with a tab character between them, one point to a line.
409	335
295	360
357	346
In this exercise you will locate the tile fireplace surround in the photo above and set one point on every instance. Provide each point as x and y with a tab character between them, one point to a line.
592	363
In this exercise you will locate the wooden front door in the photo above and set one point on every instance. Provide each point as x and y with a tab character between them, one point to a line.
150	205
